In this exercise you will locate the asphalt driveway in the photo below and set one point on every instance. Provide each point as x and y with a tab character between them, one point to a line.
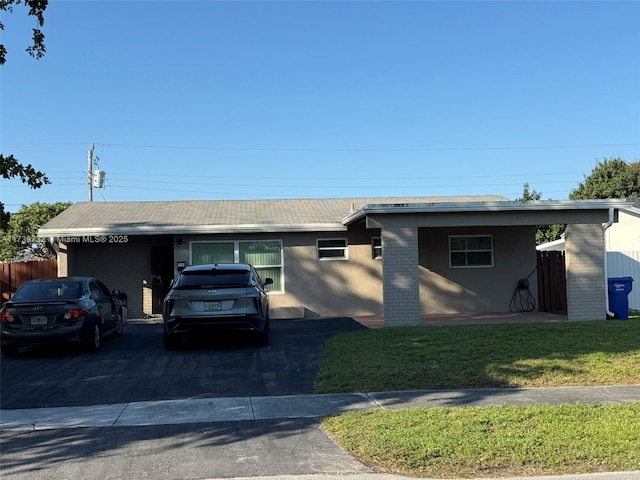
135	367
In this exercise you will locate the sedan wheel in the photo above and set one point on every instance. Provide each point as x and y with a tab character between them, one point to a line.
96	340
9	350
119	323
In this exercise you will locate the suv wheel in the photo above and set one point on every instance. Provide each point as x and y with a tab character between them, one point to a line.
262	338
171	342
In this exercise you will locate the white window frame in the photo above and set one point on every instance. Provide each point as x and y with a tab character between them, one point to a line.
374	247
236	256
471	251
319	249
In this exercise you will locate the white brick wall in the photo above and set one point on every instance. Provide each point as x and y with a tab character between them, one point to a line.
401	290
584	250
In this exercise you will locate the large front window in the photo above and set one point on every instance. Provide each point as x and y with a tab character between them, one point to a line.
264	255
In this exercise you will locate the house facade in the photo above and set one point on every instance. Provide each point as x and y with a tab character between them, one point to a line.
397	257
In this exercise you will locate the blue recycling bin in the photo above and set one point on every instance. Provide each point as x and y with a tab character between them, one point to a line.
619	288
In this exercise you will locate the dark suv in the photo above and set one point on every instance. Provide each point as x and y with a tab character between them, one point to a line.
206	298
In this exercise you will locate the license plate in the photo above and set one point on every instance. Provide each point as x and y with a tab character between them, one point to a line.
39	320
212	306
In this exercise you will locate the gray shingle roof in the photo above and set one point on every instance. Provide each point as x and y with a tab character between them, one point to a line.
211	216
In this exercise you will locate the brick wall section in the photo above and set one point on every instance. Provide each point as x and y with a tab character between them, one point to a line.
584	250
401	292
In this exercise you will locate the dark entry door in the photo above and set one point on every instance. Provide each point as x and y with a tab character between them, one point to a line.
161	274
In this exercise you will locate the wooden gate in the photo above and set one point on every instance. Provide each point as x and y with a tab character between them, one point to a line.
552	282
14	274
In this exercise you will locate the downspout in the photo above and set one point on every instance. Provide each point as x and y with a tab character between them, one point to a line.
605	227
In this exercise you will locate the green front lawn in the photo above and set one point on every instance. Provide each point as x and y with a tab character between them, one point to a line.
472	356
488	441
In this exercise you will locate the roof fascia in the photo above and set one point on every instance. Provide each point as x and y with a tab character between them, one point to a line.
189	229
467	207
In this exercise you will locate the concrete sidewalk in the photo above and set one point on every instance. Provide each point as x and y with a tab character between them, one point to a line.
203	410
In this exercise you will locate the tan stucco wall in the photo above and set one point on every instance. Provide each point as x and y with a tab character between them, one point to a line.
468	290
336	287
318	288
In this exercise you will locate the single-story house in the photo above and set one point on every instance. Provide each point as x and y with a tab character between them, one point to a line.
622	246
397	257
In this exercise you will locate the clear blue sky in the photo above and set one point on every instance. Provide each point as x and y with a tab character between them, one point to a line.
253	100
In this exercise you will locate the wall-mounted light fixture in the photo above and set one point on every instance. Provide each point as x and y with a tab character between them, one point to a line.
181	265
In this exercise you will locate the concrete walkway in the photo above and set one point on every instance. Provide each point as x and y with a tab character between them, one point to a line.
200	410
377	321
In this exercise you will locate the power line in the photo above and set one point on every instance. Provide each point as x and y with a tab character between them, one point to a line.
329	149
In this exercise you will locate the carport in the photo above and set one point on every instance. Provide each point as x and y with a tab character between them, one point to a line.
400	225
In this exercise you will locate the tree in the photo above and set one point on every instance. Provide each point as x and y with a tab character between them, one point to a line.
21	237
10	168
527	195
36	8
611	178
544	233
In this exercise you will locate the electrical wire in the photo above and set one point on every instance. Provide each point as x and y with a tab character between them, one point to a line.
522	299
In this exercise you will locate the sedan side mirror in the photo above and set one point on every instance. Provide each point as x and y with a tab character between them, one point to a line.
268	281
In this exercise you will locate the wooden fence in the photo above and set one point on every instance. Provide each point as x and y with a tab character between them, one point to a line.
14	274
552	282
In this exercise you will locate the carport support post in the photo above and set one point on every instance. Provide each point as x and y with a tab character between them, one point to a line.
401	282
584	251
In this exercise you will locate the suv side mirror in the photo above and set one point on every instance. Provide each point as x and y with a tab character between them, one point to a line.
268	281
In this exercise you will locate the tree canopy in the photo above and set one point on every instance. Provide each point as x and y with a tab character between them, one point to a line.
36	9
544	233
21	237
9	165
610	178
10	168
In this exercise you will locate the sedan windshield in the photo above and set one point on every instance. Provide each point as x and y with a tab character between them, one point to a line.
218	278
47	292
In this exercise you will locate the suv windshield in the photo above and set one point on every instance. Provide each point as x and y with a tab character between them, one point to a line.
217	278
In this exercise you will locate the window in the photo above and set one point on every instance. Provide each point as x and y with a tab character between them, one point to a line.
376	248
264	255
332	249
470	251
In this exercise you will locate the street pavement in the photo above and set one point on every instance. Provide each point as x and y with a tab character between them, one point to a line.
262	438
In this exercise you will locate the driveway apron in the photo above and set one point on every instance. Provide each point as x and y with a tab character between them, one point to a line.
135	367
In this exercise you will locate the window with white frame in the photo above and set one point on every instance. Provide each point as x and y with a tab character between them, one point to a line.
264	255
376	248
332	249
470	251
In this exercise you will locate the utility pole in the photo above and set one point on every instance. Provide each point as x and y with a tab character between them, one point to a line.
90	174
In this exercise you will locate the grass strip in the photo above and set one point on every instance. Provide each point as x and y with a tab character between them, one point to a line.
493	441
